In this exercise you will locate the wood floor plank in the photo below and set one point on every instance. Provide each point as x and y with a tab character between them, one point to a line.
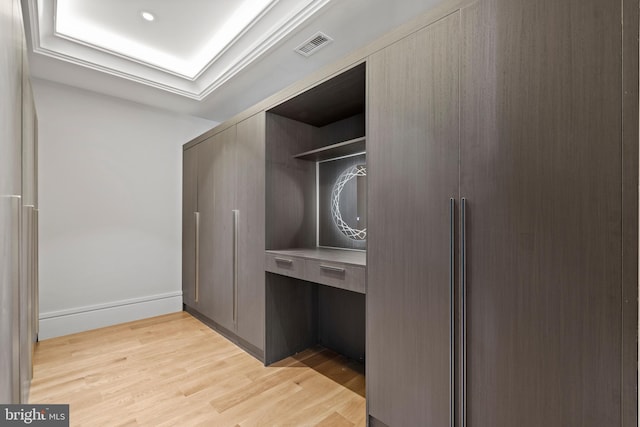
335	420
174	370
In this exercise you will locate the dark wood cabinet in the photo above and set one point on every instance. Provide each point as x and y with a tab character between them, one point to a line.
502	218
250	204
540	163
223	232
216	205
412	151
18	211
517	109
190	218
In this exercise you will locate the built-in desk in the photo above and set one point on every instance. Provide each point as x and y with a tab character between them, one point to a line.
343	269
315	296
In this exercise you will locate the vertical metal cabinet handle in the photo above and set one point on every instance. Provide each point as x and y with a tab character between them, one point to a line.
463	291
236	214
36	289
451	312
196	216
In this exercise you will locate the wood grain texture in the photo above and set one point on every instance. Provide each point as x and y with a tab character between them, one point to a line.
318	107
343	130
250	201
345	148
224	202
173	370
29	153
29	248
337	275
357	258
30	129
29	276
285	265
630	212
541	168
226	173
306	305
18	183
290	184
291	317
231	335
216	200
11	47
412	157
205	191
189	208
10	211
341	321
306	264
27	331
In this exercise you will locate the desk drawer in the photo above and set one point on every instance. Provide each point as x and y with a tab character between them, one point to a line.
285	265
338	275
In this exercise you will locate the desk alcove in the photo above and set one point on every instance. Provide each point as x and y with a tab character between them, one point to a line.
315	294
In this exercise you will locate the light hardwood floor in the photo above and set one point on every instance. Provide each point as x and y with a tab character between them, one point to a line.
174	371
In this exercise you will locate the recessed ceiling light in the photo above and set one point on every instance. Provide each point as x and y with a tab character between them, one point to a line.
147	16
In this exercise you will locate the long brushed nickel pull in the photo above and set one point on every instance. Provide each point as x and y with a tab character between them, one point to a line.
197	278
283	260
236	214
463	289
332	268
451	312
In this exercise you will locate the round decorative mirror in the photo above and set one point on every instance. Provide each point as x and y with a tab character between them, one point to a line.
345	200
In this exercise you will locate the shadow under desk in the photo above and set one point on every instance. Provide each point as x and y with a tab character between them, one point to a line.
315	296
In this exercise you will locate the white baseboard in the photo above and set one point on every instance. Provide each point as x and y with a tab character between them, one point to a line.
64	322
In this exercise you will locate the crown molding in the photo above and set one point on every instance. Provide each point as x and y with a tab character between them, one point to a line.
269	41
117	54
46	41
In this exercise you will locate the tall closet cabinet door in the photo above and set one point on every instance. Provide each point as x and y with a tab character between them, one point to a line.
541	168
207	151
216	202
250	203
412	156
27	232
189	225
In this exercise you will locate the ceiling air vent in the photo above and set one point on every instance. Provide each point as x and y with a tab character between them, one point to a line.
313	44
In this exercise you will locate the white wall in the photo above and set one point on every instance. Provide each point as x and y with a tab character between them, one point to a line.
110	174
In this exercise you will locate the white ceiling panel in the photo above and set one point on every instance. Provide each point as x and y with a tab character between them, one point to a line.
209	58
183	37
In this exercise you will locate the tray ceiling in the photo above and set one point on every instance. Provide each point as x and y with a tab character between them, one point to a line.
207	58
189	48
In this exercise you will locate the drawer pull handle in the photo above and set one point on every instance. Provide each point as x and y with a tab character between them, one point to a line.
332	268
283	261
